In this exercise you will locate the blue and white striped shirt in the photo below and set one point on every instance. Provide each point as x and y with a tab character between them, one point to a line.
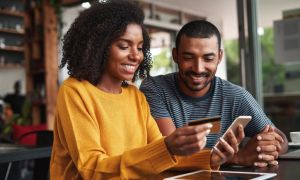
224	98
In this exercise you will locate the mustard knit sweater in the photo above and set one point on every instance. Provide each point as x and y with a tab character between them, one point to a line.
98	135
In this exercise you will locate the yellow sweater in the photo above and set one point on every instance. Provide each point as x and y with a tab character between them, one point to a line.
98	135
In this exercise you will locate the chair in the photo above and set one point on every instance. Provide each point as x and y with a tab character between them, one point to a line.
41	166
37	136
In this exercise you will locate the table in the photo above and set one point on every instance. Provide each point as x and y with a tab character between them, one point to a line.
287	170
12	152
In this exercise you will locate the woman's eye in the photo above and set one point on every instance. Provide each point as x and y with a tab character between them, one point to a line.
123	47
140	49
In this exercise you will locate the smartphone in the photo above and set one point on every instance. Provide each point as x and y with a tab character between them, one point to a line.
215	121
242	120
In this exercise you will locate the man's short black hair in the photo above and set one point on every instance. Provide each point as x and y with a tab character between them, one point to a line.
198	29
86	44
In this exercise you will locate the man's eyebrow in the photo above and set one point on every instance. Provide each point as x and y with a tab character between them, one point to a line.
209	54
187	53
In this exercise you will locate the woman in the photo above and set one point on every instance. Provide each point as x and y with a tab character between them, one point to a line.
103	127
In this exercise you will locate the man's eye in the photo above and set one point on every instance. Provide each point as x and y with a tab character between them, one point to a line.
187	57
209	58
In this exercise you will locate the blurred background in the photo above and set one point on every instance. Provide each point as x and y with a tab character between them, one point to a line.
261	40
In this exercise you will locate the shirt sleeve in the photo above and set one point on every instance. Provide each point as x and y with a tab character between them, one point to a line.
249	106
154	94
80	135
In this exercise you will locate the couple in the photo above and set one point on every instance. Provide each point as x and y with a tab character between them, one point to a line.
104	128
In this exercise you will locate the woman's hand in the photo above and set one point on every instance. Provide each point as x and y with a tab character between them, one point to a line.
225	150
187	140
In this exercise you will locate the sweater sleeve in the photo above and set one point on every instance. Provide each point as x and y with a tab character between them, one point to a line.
80	136
200	160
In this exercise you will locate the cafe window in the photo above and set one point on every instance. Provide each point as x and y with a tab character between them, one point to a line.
280	42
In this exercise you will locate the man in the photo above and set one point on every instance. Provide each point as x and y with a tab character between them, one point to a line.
15	100
195	92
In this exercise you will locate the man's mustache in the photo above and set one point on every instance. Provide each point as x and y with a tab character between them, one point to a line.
203	74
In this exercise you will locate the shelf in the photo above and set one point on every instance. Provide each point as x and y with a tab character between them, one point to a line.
12	48
11	66
13	31
12	13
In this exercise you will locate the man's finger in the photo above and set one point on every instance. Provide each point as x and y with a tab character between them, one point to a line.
266	148
273	163
265	157
266	137
261	164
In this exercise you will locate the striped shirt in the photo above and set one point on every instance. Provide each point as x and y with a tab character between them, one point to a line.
223	98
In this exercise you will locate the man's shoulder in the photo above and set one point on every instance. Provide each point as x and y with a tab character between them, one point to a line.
159	81
161	78
226	85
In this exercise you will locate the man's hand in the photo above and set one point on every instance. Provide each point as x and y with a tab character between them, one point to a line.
269	147
225	150
187	140
262	149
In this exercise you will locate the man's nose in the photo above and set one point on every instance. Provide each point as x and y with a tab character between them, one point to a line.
199	66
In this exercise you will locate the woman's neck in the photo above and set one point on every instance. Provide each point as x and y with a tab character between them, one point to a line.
109	86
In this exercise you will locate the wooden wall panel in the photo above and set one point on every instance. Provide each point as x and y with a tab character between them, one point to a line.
51	60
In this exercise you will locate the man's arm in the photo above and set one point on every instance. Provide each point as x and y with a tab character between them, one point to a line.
166	126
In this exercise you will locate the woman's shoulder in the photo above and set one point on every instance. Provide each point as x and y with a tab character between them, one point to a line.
75	83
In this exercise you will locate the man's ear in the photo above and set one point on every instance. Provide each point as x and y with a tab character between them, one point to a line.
174	55
220	55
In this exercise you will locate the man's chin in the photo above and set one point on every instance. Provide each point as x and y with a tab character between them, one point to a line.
195	88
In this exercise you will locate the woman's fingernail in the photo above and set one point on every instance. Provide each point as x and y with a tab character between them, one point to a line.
258	149
209	125
255	164
260	156
208	131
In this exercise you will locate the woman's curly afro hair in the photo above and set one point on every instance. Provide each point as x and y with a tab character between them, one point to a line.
87	42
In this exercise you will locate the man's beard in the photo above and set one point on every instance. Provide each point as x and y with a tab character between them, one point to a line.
196	88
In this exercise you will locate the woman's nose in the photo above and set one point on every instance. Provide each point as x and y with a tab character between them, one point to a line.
135	55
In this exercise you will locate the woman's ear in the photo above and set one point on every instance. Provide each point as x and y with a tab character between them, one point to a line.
174	55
